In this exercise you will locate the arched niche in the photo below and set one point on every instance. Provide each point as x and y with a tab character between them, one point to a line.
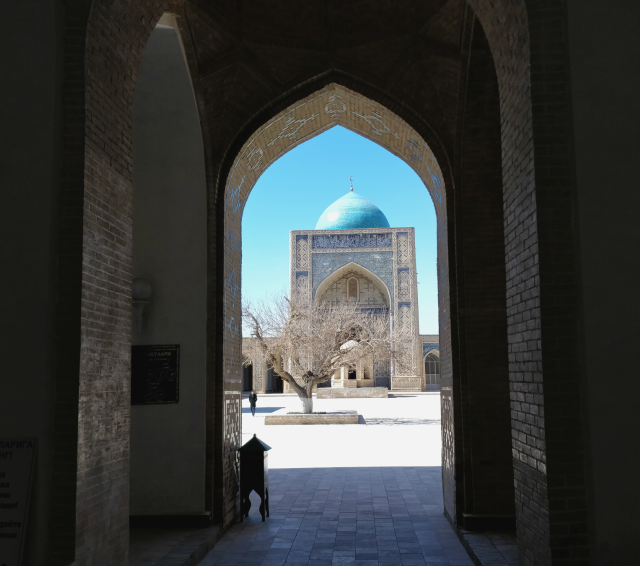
358	270
169	229
433	352
431	367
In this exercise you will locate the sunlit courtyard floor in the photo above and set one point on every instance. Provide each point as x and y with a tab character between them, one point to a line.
367	494
398	431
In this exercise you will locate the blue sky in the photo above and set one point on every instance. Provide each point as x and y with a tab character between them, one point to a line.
294	191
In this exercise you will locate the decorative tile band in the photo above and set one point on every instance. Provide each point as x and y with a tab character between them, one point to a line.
333	241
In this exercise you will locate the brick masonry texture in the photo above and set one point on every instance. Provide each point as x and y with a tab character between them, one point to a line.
91	488
412	76
482	321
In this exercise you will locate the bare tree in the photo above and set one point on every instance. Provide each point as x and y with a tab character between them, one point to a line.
306	345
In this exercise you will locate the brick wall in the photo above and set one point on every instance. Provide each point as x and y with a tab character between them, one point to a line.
560	294
542	294
103	47
482	319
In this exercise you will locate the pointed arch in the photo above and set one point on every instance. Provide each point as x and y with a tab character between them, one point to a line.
330	106
432	352
348	268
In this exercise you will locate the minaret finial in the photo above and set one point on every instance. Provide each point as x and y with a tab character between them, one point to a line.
351	181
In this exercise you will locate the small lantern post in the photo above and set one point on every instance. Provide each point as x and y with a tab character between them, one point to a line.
254	475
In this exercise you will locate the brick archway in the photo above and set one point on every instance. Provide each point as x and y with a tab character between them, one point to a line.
330	106
104	44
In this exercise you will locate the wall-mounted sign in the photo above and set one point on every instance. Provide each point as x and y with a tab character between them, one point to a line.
17	458
154	374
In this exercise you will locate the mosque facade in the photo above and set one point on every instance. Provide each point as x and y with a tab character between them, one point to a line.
353	254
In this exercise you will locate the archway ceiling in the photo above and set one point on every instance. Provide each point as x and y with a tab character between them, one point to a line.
248	54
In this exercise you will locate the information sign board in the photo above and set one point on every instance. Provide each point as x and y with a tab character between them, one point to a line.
154	374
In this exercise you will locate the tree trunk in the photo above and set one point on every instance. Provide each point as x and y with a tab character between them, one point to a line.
305	392
307	404
306	398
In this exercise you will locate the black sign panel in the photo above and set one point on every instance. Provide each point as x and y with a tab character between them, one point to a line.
154	374
16	474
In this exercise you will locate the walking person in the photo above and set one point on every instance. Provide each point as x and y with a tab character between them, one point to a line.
252	401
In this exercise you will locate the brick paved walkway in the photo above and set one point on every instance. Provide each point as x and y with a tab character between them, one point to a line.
343	516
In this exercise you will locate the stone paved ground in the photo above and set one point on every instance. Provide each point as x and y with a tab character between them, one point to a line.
494	548
342	516
364	495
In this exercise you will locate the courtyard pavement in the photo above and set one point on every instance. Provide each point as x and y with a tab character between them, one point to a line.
403	430
363	495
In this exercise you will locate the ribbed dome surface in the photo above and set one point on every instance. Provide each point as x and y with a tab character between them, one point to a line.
352	211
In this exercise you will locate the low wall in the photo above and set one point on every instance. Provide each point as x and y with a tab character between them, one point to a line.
341	417
344	393
406	383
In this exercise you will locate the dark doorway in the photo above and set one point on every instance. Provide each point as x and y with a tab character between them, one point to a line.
247	378
352	374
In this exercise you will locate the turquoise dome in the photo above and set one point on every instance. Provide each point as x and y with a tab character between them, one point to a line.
352	211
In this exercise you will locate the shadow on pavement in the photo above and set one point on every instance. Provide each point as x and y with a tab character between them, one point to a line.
369	516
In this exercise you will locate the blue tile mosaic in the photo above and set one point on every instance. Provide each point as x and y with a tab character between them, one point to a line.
428	346
352	211
332	241
379	263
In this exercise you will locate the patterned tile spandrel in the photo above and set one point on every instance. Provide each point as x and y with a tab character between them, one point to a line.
380	263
